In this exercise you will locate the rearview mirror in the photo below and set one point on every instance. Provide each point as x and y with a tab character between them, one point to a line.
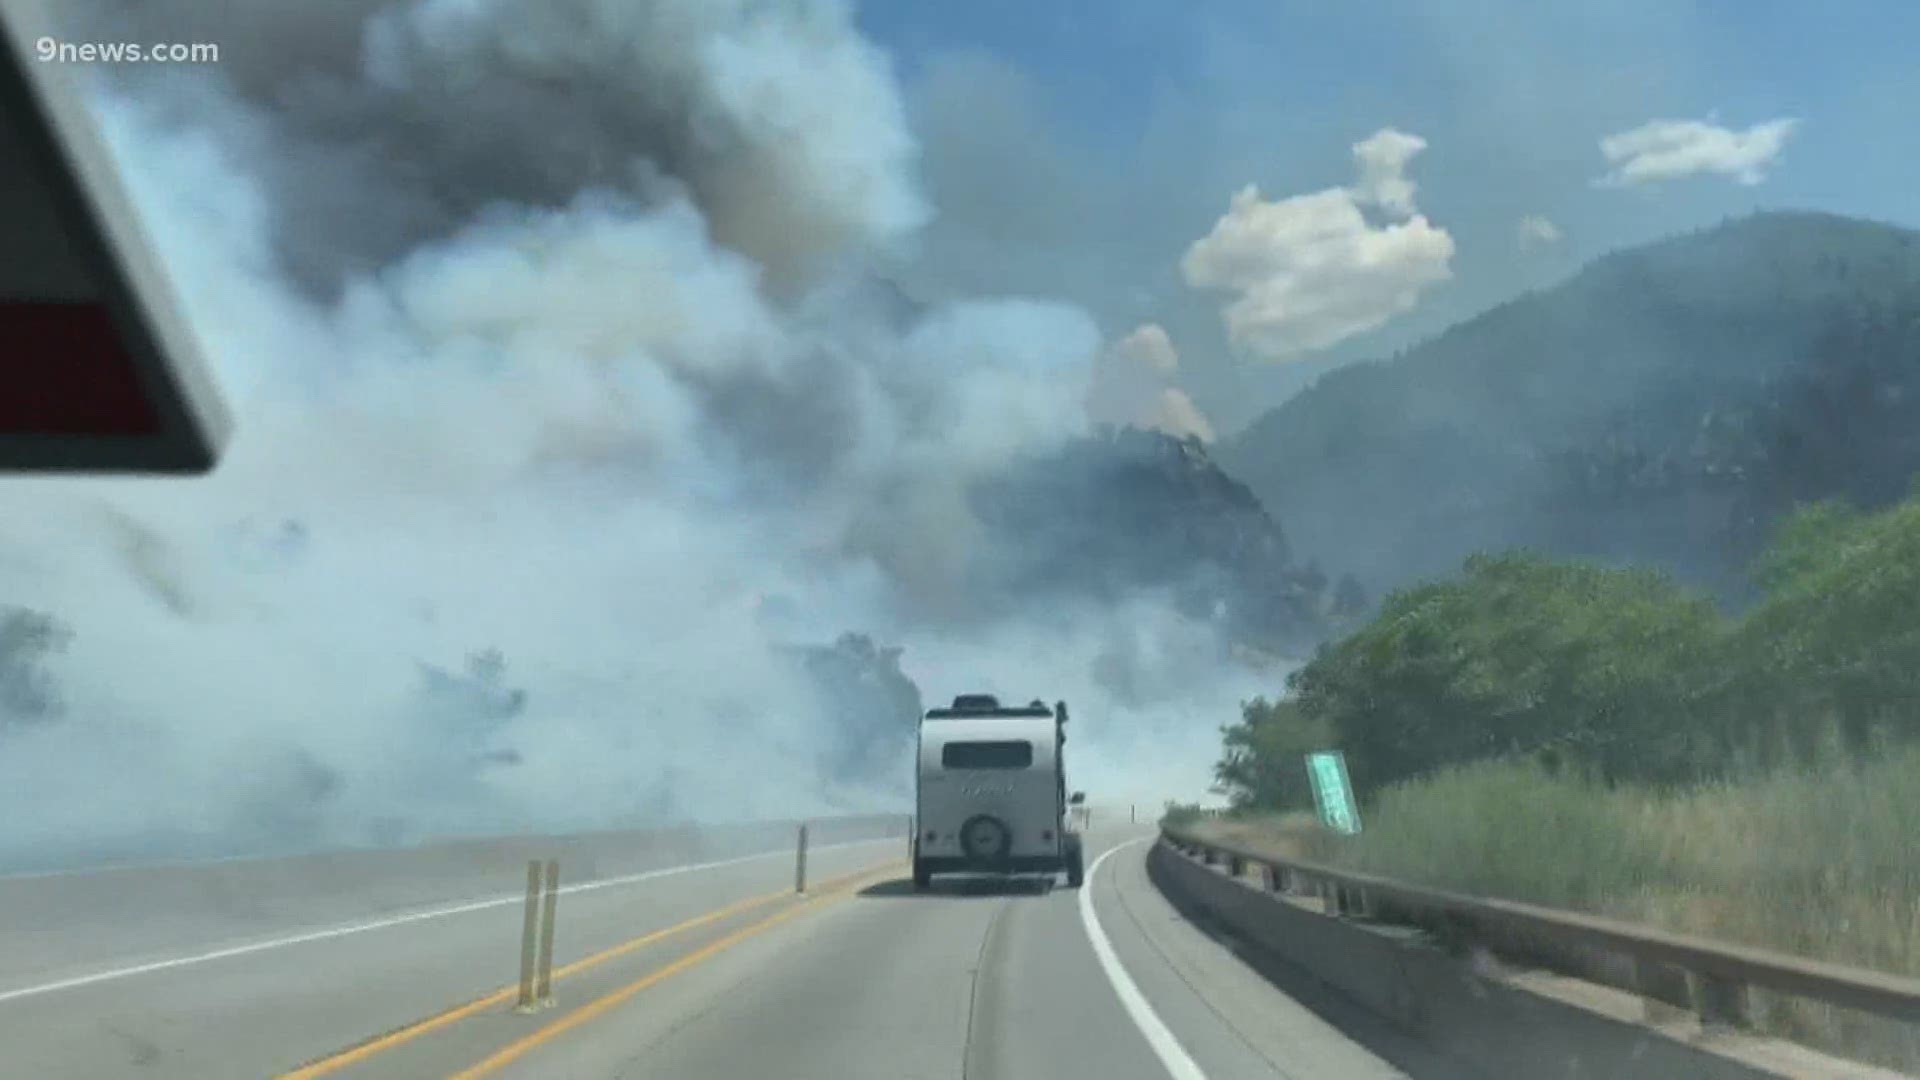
1079	797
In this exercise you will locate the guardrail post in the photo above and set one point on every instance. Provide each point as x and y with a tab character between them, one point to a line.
1329	898
800	862
543	993
1236	867
1722	1003
1270	878
1662	988
529	924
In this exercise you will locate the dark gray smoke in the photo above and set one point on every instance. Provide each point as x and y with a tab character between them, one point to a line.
382	126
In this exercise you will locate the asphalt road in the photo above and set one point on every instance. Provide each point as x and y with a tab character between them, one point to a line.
724	972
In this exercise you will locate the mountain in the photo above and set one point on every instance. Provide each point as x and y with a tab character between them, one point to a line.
1126	511
1665	405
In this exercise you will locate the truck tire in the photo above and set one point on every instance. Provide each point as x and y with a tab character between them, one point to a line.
1076	863
922	880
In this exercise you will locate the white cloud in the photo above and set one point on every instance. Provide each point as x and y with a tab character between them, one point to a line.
1132	386
1671	149
1535	231
1383	161
1311	270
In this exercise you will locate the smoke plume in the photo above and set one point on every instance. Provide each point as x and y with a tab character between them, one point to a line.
572	401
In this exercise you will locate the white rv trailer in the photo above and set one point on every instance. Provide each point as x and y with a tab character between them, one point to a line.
991	795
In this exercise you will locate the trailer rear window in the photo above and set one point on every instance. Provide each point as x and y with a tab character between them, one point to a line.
986	755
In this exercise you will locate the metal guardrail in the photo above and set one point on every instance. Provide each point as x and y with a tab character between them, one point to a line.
1709	977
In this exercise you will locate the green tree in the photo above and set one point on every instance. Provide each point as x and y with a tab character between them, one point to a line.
875	706
1616	673
1835	643
1520	656
1264	765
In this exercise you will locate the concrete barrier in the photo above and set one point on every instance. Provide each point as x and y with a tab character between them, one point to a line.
1501	1023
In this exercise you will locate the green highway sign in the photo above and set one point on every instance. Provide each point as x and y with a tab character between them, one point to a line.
1332	792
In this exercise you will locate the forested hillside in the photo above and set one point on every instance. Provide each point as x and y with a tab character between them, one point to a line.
1621	674
1665	407
1128	510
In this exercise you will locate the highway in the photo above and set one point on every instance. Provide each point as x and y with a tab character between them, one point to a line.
717	970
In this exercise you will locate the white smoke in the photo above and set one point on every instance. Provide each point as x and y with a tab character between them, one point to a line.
1133	386
585	364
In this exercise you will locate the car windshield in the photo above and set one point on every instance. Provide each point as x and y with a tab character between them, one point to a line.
506	502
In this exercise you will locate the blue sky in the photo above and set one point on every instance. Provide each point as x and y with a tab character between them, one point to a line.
1078	150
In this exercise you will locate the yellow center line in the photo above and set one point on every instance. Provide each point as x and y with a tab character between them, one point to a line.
356	1054
601	1005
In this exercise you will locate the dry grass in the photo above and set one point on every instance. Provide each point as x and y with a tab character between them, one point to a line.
1292	835
1821	862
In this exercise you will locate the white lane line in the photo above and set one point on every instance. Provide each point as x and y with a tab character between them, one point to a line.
1179	1064
395	920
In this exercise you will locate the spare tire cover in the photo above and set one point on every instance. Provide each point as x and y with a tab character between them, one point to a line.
985	838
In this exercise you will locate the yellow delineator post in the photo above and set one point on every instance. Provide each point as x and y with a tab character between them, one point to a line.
800	862
543	992
528	925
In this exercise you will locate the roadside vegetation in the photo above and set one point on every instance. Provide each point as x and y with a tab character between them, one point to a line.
1603	740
